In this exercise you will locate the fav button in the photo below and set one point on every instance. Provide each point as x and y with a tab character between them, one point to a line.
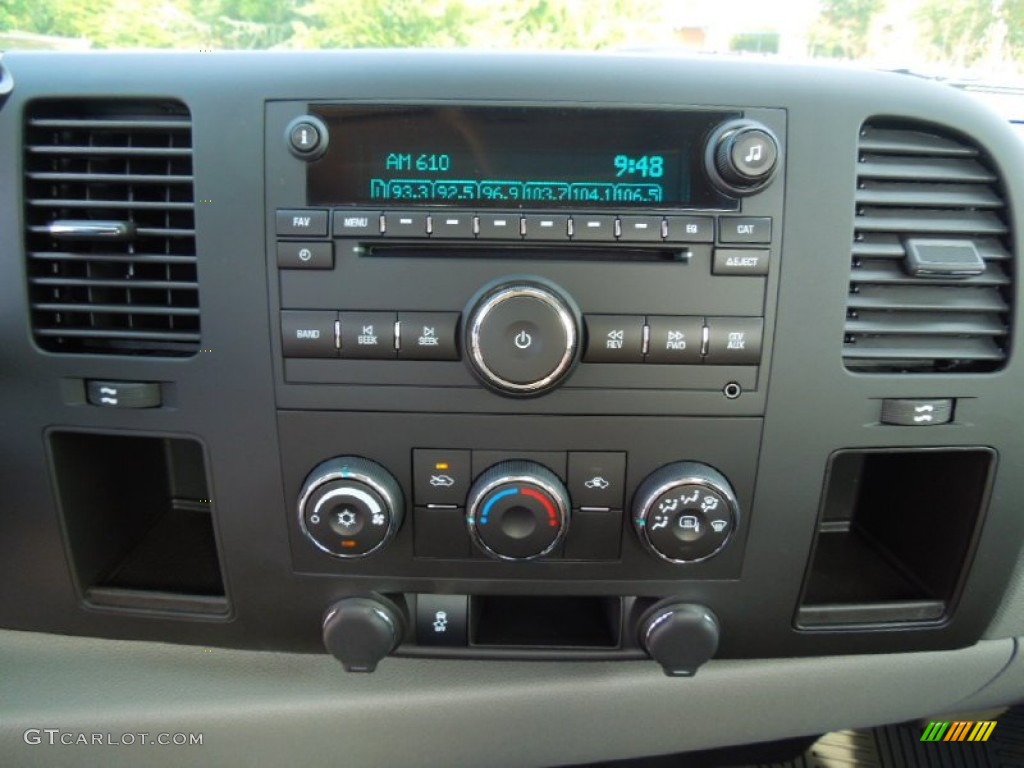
302	223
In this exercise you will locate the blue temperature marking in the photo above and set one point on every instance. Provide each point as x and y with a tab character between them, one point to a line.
490	503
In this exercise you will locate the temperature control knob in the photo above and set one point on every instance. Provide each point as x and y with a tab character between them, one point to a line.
685	512
742	156
350	507
518	510
522	336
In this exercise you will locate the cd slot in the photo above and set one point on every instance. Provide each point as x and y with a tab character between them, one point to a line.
528	252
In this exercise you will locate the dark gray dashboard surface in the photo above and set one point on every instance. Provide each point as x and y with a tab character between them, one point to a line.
228	397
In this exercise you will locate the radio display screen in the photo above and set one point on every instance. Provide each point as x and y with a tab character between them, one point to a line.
514	157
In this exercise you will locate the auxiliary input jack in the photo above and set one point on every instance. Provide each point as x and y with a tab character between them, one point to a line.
732	390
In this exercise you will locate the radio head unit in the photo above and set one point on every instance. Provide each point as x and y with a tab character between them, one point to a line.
509	157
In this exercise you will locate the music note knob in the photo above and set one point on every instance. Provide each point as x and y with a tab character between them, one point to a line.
742	157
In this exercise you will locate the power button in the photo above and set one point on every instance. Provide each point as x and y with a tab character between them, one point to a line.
522	338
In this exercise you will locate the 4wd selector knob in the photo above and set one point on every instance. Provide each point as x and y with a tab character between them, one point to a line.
522	336
350	507
742	157
685	512
518	510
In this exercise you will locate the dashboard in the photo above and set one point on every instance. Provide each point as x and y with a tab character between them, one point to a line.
507	382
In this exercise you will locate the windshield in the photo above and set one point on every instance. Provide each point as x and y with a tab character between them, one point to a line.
977	39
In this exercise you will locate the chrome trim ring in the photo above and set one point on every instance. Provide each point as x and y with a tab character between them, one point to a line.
517	472
565	319
691	473
357	470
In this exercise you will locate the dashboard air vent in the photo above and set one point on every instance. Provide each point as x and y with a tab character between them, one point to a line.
930	284
110	240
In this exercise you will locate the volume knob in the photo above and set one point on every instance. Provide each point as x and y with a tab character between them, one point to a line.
522	336
742	157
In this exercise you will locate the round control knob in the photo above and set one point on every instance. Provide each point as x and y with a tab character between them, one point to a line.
518	510
742	157
350	507
522	336
360	631
679	636
685	512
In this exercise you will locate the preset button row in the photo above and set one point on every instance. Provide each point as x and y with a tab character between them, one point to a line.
370	335
673	340
513	225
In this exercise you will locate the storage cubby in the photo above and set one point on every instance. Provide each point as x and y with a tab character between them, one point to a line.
138	522
895	535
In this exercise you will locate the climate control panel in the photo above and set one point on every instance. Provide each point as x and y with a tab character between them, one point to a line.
519	510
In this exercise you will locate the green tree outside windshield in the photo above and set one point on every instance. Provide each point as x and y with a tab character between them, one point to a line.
947	33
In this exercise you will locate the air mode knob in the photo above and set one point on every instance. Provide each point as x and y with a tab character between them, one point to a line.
742	157
518	510
522	336
685	512
350	507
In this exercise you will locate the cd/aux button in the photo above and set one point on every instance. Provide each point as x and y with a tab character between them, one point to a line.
734	340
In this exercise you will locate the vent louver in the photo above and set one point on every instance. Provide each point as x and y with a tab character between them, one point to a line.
922	190
110	232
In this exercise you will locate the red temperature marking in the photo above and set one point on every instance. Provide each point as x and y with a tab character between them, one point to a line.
552	515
